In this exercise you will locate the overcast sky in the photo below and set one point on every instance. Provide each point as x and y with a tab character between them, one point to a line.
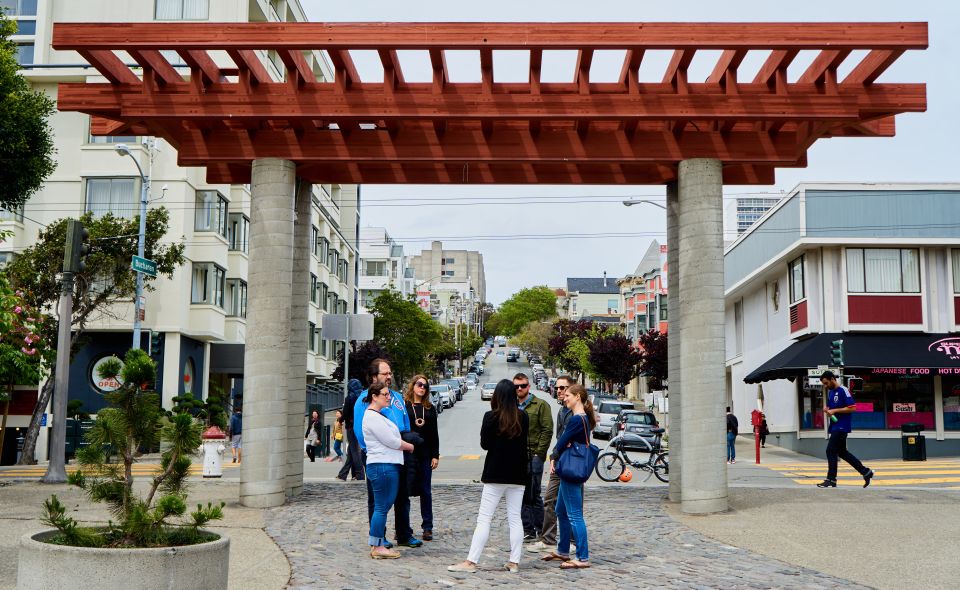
489	218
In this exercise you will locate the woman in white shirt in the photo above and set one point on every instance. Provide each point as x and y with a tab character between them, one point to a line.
384	460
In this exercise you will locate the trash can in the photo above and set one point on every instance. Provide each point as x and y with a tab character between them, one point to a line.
913	443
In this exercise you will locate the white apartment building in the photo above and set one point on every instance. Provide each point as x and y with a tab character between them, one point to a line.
383	267
450	284
199	314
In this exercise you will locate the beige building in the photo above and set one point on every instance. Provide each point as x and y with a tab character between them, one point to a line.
198	318
451	284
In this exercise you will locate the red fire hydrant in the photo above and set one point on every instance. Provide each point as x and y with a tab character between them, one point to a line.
213	449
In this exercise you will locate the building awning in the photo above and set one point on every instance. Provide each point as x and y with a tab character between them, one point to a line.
226	358
880	353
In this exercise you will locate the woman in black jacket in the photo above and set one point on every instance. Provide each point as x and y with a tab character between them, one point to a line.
312	435
423	421
504	436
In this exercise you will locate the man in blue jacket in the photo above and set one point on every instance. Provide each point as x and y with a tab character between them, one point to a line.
839	408
379	370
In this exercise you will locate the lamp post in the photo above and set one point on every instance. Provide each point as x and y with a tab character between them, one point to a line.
632	202
123	150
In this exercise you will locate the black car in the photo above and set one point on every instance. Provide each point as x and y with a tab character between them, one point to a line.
512	357
636	426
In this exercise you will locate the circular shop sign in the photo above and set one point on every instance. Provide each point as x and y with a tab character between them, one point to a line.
105	385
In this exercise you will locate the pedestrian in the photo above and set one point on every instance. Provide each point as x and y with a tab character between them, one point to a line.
424	423
838	408
379	370
548	535
538	443
764	431
570	496
312	435
732	429
354	463
337	439
503	434
236	429
384	448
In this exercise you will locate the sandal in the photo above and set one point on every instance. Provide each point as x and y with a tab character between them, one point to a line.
574	565
554	556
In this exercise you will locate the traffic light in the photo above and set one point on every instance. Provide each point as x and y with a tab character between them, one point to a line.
77	246
155	344
836	353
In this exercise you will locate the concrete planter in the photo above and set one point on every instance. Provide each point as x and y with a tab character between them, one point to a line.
45	566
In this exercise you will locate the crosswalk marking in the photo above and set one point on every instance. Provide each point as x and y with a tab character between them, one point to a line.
139	469
889	472
469	457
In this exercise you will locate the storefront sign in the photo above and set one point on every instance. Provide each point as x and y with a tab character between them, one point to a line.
864	406
105	385
948	346
905	407
901	371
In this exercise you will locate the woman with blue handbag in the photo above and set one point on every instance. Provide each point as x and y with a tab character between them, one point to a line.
575	462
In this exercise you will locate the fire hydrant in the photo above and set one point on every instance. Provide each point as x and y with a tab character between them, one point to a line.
213	450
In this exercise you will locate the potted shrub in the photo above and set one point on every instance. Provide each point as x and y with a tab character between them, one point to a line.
153	543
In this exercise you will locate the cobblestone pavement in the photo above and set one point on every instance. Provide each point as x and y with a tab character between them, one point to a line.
633	544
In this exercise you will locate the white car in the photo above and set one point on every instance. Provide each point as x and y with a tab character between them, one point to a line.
445	393
606	412
487	392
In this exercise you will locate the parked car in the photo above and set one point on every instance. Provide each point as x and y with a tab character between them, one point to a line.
542	383
607	411
487	392
455	385
552	386
499	353
595	395
435	398
446	395
472	380
635	425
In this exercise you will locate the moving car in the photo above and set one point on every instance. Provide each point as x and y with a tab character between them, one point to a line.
487	392
446	395
607	411
636	426
511	358
472	380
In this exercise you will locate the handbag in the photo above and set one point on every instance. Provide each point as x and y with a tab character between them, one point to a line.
577	462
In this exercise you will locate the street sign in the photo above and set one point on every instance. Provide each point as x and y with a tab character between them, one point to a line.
144	265
335	325
43	420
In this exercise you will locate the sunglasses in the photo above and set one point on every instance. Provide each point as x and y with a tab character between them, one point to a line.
561	387
523	385
420	384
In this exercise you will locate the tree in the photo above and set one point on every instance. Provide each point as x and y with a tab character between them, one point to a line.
26	147
565	332
405	332
525	306
360	358
614	358
106	278
654	358
535	338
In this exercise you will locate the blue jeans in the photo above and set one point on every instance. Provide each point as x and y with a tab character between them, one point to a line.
401	504
532	511
338	447
731	446
570	516
384	479
426	494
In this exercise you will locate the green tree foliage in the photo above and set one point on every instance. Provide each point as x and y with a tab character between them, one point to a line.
525	306
133	420
452	348
565	333
654	358
26	140
613	357
211	410
534	338
405	332
106	278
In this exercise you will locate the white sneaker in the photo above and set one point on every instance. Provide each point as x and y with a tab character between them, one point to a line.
466	568
540	547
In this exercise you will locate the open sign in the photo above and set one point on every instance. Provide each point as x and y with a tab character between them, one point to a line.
101	384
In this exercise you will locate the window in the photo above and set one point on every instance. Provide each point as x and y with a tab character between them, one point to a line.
25	54
738	327
211	214
312	335
641	321
238	232
127	139
883	270
323	343
207	284
315	248
393	269
182	9
324	249
447	273
19	7
344	271
612	305
332	258
116	196
343	306
951	398
314	290
6	258
375	268
15	215
955	255
26	27
797	284
663	309
334	303
324	296
236	298
449	261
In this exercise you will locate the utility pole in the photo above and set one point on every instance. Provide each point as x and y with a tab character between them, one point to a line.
75	249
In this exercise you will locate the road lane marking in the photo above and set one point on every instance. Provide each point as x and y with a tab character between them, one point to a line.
885	482
469	457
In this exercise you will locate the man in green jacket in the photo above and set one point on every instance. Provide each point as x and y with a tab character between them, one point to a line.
538	443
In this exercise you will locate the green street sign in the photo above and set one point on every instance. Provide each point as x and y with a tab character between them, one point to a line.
144	265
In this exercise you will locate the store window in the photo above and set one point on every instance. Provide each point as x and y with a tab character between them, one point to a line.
885	403
207	284
951	403
114	196
811	405
883	270
238	232
797	282
211	212
182	9
236	298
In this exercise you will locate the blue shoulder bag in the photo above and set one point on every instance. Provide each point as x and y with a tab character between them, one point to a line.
577	462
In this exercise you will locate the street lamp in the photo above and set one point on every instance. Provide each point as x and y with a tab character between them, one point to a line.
632	202
123	150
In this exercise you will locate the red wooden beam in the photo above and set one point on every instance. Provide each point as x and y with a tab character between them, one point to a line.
345	71
110	66
826	60
905	35
869	69
298	70
778	61
200	61
151	59
249	64
630	71
729	61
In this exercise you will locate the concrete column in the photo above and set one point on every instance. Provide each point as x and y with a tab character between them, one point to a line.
674	318
267	352
300	292
702	470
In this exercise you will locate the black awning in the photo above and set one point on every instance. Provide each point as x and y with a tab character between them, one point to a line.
882	352
226	358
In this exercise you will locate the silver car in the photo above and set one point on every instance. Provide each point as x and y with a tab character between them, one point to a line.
607	411
445	393
487	392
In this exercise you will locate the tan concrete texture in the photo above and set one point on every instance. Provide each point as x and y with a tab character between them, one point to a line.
255	560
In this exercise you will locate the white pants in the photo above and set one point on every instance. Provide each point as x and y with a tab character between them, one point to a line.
492	492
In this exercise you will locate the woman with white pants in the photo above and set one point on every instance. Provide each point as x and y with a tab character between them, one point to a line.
503	435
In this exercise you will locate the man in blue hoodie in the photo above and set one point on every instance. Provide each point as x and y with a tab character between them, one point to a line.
379	370
354	462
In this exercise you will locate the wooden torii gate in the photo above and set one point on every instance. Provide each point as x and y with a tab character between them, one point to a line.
223	104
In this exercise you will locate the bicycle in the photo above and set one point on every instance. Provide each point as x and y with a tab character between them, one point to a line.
611	464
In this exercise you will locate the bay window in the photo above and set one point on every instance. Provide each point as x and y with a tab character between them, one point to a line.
238	232
211	212
798	287
114	196
236	298
207	284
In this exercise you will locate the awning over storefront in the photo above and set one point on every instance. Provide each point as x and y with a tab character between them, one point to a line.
881	353
226	358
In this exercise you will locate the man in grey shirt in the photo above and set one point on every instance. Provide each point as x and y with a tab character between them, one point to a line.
548	537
